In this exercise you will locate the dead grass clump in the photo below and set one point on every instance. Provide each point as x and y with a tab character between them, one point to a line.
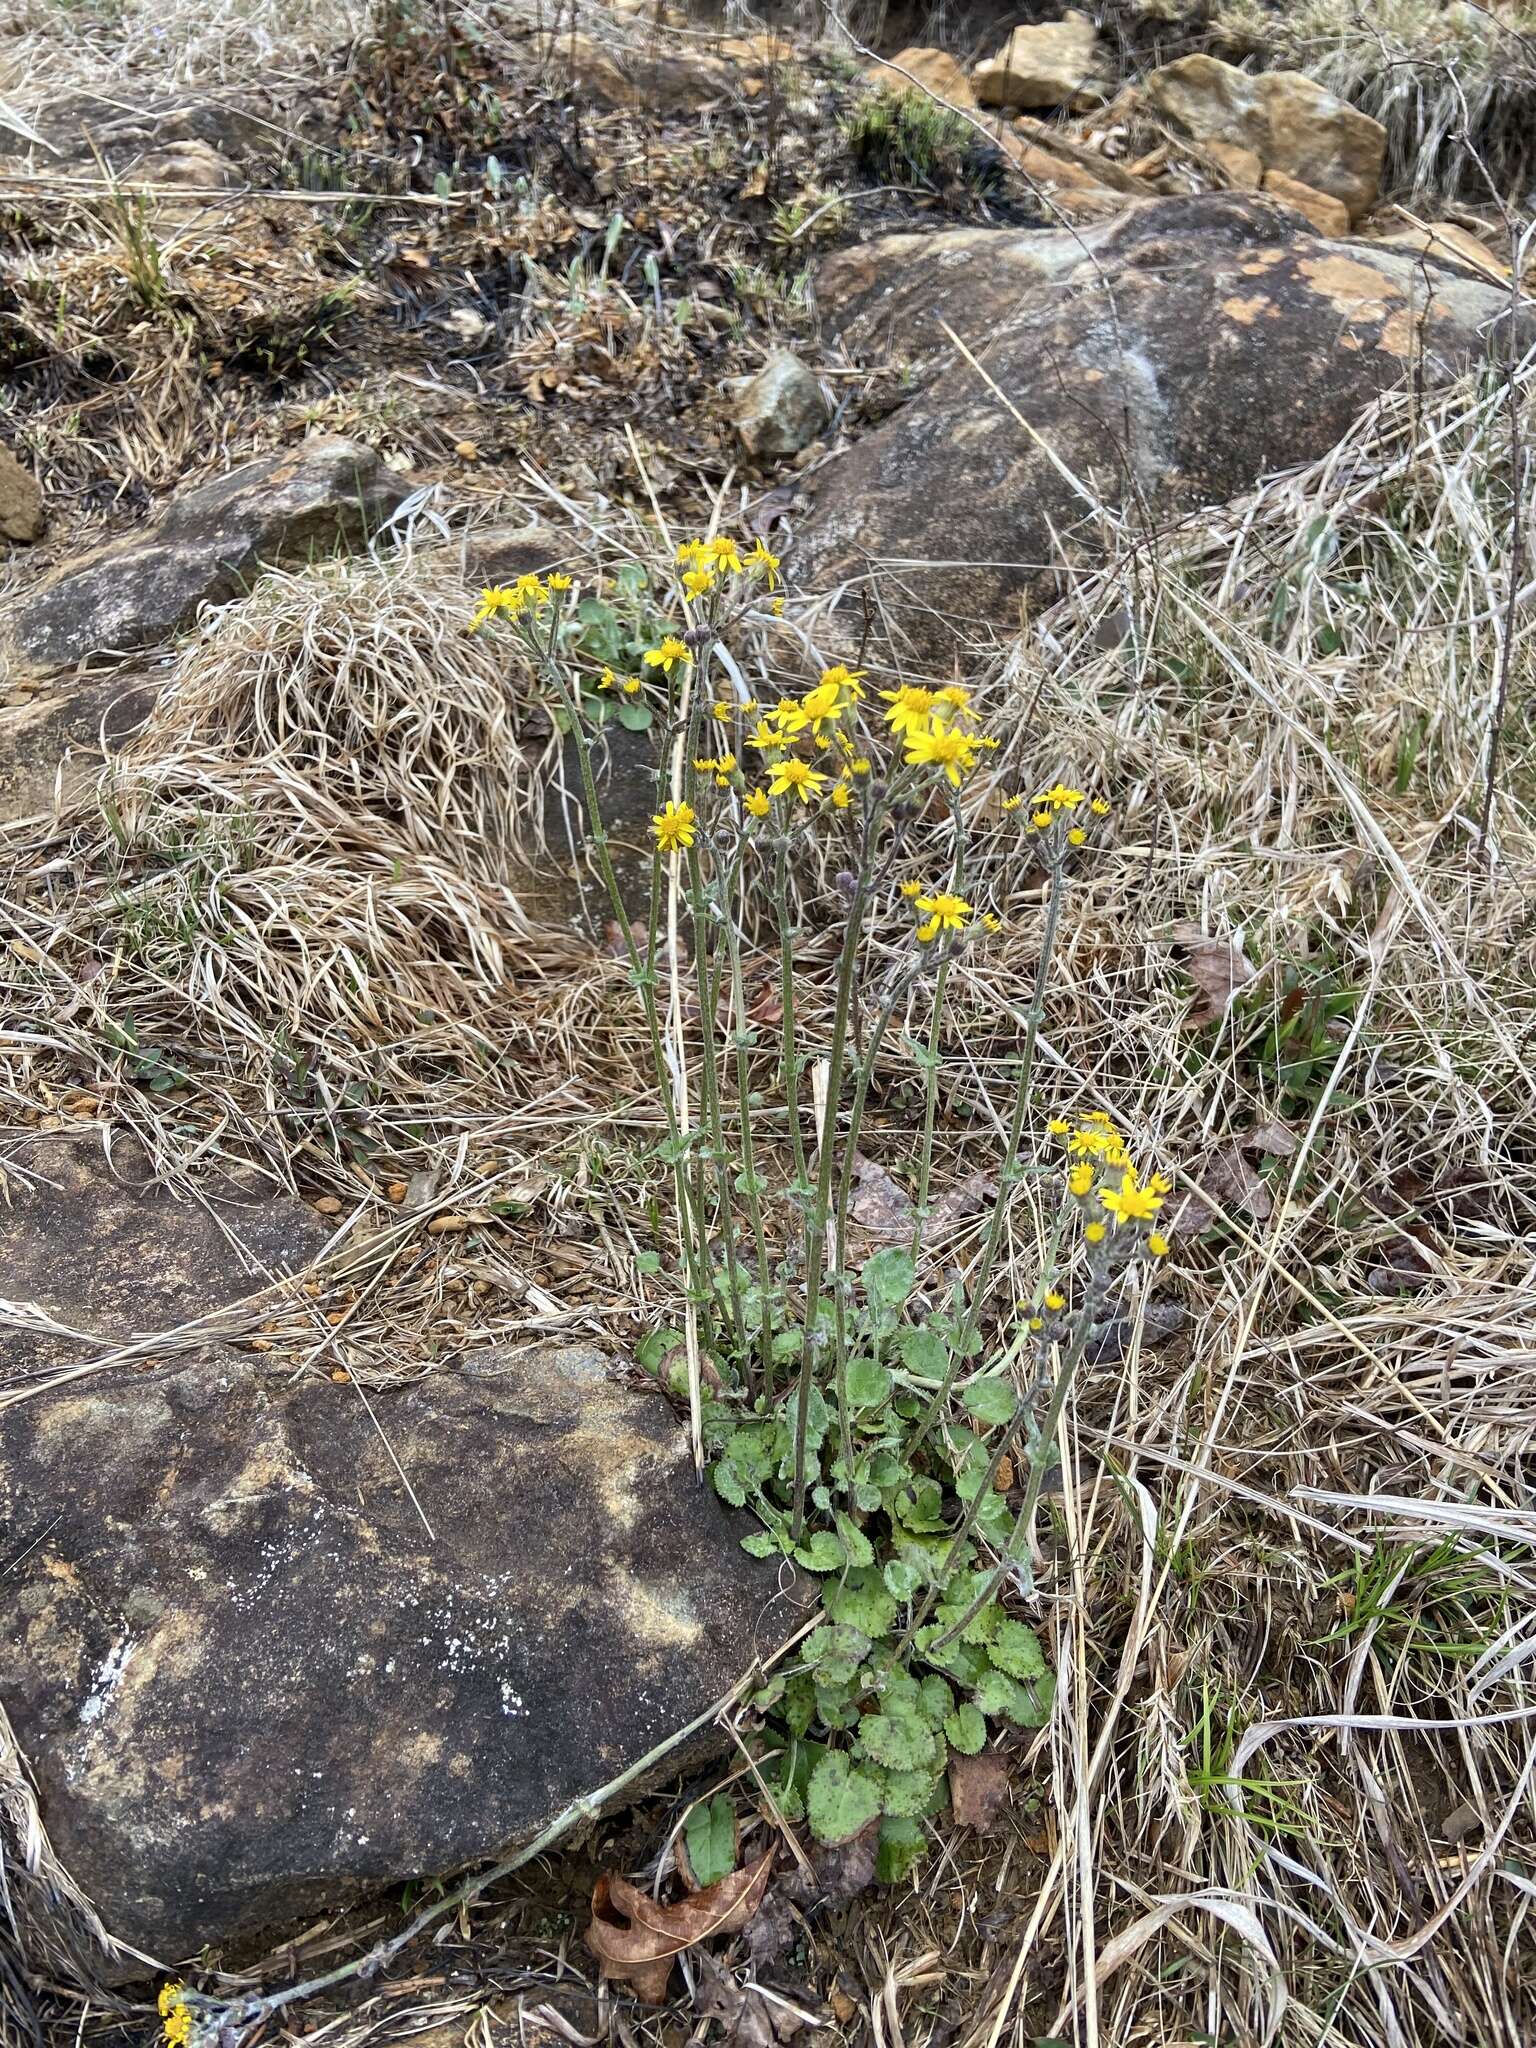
359	678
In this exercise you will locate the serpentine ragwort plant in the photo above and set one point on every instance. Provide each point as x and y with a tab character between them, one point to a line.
889	1438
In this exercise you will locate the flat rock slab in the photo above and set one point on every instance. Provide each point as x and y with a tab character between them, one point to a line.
108	1251
1167	360
205	548
250	1681
57	742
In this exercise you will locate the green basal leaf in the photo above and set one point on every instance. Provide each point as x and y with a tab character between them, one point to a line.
858	1546
990	1400
841	1801
728	1484
1025	1706
799	1709
862	1601
966	1730
902	1842
834	1708
655	1345
834	1651
761	1543
964	1663
868	1384
1016	1650
888	1277
821	1552
935	1700
905	1794
634	715
902	1580
710	1833
899	1742
924	1354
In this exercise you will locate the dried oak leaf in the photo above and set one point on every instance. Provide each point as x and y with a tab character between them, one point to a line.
635	1937
979	1789
1216	967
1232	1185
879	1205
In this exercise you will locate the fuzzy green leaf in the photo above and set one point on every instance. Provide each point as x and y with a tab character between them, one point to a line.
906	1793
1016	1650
711	1837
841	1800
901	1742
966	1730
821	1552
835	1651
760	1544
862	1601
799	1708
888	1277
902	1841
963	1661
1025	1706
728	1484
923	1354
868	1384
858	1546
935	1700
990	1400
902	1579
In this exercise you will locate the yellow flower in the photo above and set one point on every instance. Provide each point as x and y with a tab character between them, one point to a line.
952	703
842	796
1037	1322
1058	1127
529	589
1061	798
632	686
858	765
943	747
911	889
607	679
726	764
672	828
725	554
723	712
989	923
795	777
841	677
776	606
814	710
1055	1302
1099	808
1040	819
694	551
760	558
1101	1117
756	801
698	581
705	764
1157	1245
1076	836
1095	1233
175	2016
494	598
1130	1202
1080	1179
748	707
667	655
1011	803
943	913
558	582
911	708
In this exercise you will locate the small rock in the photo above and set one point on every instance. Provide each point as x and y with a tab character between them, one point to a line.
1289	121
21	501
1451	244
1244	168
925	70
781	410
1057	64
206	548
661	81
1328	215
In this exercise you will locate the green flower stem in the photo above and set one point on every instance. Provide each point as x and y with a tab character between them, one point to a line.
744	1120
1007	1173
931	1063
789	1073
709	1090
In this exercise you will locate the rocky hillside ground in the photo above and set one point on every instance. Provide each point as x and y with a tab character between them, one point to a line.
1161	374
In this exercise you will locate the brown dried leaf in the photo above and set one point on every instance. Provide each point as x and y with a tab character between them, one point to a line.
1273	1137
879	1205
640	1952
957	1204
1216	967
1231	1183
979	1789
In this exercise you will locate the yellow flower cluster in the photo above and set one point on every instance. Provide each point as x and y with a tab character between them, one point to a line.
175	2016
512	600
937	728
705	562
1062	806
941	912
1100	1172
630	685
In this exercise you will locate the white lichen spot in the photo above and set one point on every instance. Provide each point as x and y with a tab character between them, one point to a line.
106	1681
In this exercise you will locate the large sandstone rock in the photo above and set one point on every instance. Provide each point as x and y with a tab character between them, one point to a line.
206	547
21	502
1289	121
1057	64
644	77
252	1683
1166	360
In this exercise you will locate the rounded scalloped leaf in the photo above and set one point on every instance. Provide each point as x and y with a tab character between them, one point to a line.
906	1794
898	1742
935	1699
1016	1650
821	1552
1025	1706
862	1601
841	1800
966	1730
835	1651
902	1841
991	1401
